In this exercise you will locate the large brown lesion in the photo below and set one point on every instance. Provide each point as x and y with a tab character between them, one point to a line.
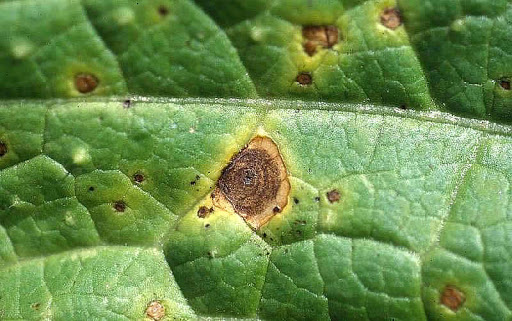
319	36
255	183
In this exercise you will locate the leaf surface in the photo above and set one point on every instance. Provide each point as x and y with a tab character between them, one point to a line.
120	119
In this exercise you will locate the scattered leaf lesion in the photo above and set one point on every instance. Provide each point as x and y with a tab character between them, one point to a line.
254	184
86	83
391	18
304	78
155	310
452	298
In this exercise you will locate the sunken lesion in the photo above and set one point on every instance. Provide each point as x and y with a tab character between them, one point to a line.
316	37
254	183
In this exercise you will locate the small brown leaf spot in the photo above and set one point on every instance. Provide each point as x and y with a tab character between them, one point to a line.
155	310
391	18
163	10
138	178
296	200
85	83
319	36
505	84
333	196
3	149
255	183
91	188
317	199
452	298
127	103
119	206
35	306
203	212
304	78
207	225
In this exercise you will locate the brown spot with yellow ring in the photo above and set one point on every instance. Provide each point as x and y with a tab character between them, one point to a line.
333	196
119	206
304	78
254	183
204	211
86	83
138	178
319	36
452	298
391	18
155	310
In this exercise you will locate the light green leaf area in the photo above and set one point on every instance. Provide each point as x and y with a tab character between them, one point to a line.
125	45
367	62
465	49
100	203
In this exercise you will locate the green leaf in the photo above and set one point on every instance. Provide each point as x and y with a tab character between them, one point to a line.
255	160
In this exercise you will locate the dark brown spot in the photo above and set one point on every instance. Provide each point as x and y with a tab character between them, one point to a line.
304	78
155	310
119	206
333	196
3	149
403	107
195	180
296	200
319	36
452	298
203	211
138	178
35	306
264	235
391	18
207	225
163	11
85	83
127	103
505	84
91	188
317	199
255	182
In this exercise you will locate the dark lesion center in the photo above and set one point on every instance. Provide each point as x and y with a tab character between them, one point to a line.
3	149
505	84
119	206
250	181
